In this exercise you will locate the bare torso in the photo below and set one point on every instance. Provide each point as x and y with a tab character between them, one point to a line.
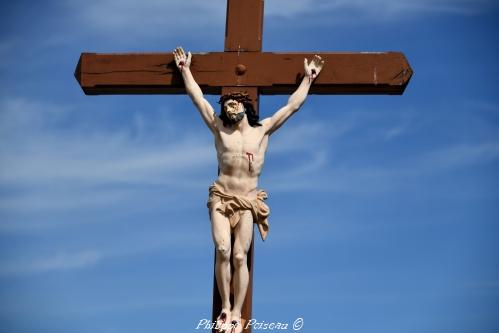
240	154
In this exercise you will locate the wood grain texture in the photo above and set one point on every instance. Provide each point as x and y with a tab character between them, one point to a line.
272	73
244	25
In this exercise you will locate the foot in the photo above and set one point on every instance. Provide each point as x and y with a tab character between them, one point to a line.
235	325
223	321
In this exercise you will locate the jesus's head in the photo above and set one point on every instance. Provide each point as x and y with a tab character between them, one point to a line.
234	106
234	110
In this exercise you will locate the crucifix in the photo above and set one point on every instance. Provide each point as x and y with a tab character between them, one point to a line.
243	67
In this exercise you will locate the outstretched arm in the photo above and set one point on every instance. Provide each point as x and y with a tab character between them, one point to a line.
183	62
296	100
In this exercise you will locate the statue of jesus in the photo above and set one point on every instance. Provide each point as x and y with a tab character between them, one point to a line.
235	203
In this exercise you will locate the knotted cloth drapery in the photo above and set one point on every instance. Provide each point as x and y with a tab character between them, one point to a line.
232	206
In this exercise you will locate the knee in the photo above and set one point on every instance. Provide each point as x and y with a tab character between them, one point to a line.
240	259
223	252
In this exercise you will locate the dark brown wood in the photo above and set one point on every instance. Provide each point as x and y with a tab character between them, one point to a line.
272	73
244	25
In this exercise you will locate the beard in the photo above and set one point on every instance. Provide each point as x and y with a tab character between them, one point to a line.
236	118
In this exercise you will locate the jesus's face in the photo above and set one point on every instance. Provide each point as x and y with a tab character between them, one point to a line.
234	110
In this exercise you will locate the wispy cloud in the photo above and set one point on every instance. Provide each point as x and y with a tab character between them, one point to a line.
54	167
64	256
395	132
59	261
375	9
369	179
459	155
148	19
307	135
153	20
323	164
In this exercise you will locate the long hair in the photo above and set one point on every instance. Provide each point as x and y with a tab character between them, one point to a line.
249	109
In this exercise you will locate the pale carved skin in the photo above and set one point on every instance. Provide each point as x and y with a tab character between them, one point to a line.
241	153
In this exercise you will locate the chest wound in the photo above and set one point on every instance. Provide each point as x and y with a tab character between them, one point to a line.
250	161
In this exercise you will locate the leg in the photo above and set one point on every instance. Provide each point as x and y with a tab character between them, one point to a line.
243	237
220	228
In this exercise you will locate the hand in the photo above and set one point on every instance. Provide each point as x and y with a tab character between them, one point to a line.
181	59
313	68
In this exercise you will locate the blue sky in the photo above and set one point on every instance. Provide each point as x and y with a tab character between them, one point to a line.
384	209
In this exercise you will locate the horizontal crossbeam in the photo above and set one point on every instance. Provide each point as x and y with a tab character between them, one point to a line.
272	73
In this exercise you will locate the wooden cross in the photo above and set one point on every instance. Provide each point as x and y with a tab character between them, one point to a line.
243	67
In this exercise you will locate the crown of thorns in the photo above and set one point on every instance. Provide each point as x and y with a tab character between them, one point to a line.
237	96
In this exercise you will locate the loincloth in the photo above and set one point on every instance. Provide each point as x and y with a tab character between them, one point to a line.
232	206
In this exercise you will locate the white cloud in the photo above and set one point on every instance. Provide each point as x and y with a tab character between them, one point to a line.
395	132
395	175
307	135
129	20
55	167
374	9
70	255
459	155
53	163
317	165
124	20
58	261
